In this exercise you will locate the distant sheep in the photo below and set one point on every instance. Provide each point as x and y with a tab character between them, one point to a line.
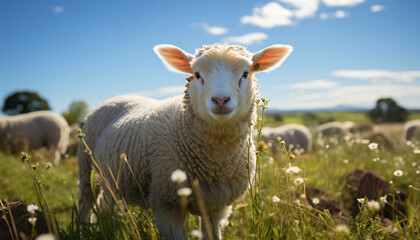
294	135
335	130
411	130
204	133
34	130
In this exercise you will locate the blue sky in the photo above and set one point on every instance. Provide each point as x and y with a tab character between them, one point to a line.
346	52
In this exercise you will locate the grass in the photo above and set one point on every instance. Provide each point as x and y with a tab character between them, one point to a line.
273	208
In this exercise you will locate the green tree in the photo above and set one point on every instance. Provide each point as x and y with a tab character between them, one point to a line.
387	110
77	112
24	102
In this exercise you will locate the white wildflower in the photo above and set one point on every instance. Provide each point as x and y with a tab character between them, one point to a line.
224	222
373	146
315	201
327	146
417	171
303	195
297	201
373	205
383	200
416	151
398	173
391	182
32	220
376	159
31	208
184	192
197	233
346	161
292	169
275	199
361	200
299	181
46	236
178	176
342	229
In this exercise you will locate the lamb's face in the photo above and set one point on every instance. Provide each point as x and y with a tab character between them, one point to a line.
222	87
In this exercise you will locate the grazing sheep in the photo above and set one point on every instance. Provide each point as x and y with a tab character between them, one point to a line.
294	135
335	130
34	130
204	133
411	130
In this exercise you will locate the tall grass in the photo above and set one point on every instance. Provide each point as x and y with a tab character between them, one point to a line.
277	205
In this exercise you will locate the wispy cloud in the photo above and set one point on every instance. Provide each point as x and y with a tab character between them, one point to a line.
315	84
58	9
247	39
214	30
289	12
342	3
164	92
337	14
375	75
377	8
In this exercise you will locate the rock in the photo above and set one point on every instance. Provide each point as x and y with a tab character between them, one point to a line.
20	217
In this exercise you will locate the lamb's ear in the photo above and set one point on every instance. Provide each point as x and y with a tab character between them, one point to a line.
270	58
174	58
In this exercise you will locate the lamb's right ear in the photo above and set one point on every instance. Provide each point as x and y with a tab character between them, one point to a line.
174	58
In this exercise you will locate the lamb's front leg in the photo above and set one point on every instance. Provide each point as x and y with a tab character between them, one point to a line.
170	222
218	221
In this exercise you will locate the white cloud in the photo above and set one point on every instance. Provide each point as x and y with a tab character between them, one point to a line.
247	39
164	92
270	15
365	96
340	14
404	76
214	30
58	9
377	8
342	3
315	84
304	8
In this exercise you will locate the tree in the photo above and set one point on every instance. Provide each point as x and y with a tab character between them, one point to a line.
24	102
77	112
387	110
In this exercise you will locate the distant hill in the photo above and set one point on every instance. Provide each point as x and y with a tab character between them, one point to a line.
338	108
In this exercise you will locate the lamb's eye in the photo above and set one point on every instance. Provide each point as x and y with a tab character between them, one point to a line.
245	75
197	75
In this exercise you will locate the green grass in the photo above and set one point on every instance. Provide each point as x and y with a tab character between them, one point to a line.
256	215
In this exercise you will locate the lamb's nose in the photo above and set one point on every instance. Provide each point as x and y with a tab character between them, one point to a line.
220	102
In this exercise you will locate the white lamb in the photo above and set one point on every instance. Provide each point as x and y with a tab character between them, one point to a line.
204	133
299	136
34	130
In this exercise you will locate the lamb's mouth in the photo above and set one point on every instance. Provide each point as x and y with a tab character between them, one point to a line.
222	111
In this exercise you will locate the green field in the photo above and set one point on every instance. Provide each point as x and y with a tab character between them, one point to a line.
276	208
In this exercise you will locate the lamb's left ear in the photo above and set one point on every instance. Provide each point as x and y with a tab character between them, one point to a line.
270	58
174	58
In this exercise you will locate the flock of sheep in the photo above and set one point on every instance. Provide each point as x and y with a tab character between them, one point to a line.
203	133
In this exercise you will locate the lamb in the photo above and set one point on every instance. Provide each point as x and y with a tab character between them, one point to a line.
34	130
203	133
295	135
411	130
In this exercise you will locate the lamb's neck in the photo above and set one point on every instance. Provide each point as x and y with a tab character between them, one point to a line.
212	152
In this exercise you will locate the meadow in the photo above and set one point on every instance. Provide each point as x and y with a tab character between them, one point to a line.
287	199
